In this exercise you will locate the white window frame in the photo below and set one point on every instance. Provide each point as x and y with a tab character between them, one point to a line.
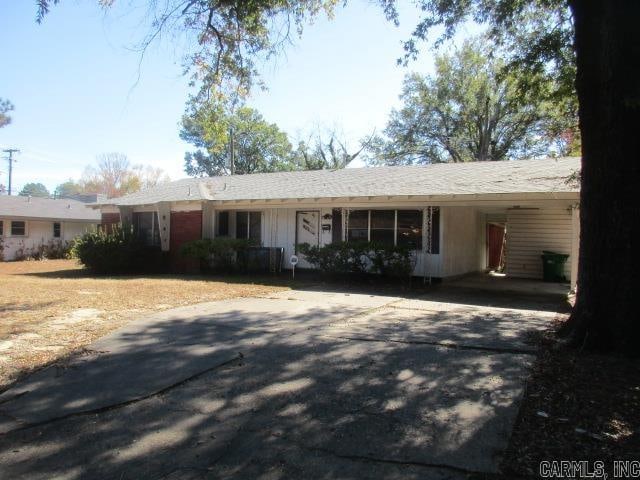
248	212
26	229
346	212
53	230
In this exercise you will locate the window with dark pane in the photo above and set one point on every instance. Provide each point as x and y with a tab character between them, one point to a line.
18	228
223	224
145	224
382	226
336	225
1	228
56	230
255	226
410	229
358	226
242	225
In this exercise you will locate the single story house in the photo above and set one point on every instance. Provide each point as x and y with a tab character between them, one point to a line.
27	223
454	215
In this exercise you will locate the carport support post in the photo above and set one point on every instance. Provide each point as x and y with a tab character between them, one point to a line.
126	217
164	223
575	245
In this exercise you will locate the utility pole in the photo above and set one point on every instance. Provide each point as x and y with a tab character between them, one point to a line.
232	152
10	159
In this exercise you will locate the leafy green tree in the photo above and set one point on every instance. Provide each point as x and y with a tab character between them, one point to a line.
5	107
259	146
35	190
470	110
68	188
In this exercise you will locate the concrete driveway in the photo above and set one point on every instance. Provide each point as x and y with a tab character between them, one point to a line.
300	384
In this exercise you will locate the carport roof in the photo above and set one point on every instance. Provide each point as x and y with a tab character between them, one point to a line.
517	176
46	208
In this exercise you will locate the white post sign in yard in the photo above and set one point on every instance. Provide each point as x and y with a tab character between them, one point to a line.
294	261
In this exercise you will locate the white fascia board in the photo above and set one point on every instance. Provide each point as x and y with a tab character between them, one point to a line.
469	200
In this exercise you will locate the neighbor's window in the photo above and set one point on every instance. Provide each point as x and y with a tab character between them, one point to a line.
358	226
145	224
223	224
56	230
1	228
249	225
18	228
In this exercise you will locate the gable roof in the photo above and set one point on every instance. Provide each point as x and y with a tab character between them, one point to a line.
46	208
517	176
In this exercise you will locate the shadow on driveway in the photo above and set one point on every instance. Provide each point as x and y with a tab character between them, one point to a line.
301	384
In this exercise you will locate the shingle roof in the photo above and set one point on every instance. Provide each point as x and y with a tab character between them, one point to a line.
518	176
34	207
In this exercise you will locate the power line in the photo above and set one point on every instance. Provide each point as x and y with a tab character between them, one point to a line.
10	159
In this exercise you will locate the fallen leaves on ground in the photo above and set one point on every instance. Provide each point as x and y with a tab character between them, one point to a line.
51	308
577	406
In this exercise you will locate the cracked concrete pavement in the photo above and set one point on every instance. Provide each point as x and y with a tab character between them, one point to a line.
299	384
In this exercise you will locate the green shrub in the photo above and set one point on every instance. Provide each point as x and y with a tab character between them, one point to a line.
220	254
359	258
120	251
392	261
341	258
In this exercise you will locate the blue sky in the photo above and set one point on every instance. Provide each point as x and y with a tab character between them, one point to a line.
78	90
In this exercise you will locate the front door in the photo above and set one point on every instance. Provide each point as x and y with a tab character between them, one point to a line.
307	231
495	246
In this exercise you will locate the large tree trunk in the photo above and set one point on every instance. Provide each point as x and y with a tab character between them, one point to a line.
607	42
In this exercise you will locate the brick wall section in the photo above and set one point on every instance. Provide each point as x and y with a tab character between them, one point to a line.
109	220
184	227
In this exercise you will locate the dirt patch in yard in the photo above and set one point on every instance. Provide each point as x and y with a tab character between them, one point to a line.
577	406
49	309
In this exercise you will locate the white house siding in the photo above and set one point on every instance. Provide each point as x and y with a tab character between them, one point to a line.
39	233
71	230
279	230
459	241
529	232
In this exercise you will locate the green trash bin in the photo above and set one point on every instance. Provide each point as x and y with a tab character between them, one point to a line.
553	266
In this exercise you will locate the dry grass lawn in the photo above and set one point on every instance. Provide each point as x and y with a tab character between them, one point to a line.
49	309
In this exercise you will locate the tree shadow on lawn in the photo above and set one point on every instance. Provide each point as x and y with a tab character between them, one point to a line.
263	393
370	284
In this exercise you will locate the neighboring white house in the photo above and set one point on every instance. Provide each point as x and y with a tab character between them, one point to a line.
449	213
26	223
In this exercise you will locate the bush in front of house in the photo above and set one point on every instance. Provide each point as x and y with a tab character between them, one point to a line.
340	258
119	251
359	258
392	261
219	254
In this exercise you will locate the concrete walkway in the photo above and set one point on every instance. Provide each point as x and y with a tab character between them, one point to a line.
300	384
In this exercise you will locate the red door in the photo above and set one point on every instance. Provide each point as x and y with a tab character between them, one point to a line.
495	246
